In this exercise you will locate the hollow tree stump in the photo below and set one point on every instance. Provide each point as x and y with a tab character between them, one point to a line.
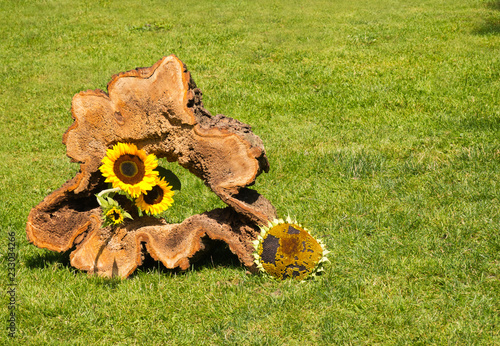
159	109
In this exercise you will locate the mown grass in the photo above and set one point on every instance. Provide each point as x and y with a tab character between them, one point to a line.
381	123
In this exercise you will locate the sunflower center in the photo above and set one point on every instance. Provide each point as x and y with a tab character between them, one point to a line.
154	196
129	169
115	216
291	246
270	247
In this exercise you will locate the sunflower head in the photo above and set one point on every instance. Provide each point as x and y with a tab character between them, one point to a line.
129	169
115	216
287	250
113	213
156	200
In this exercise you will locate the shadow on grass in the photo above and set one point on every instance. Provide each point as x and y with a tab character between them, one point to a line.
491	24
489	27
494	5
47	259
219	255
481	123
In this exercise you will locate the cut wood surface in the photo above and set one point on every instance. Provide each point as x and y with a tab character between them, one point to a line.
159	109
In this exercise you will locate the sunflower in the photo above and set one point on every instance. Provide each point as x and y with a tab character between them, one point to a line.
113	213
114	216
287	250
157	200
129	169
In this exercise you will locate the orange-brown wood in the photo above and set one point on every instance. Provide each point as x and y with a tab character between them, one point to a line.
159	109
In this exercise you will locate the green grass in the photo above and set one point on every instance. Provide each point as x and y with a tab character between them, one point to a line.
381	121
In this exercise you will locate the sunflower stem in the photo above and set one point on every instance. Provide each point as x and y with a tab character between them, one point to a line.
114	189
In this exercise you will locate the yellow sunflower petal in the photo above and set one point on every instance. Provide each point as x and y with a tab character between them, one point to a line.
157	200
115	216
129	168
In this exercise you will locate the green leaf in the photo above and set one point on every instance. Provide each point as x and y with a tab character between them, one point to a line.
112	202
170	177
104	203
126	215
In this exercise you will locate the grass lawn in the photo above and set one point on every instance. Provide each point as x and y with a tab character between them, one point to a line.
381	121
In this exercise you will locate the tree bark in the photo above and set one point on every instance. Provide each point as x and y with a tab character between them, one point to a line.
159	109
